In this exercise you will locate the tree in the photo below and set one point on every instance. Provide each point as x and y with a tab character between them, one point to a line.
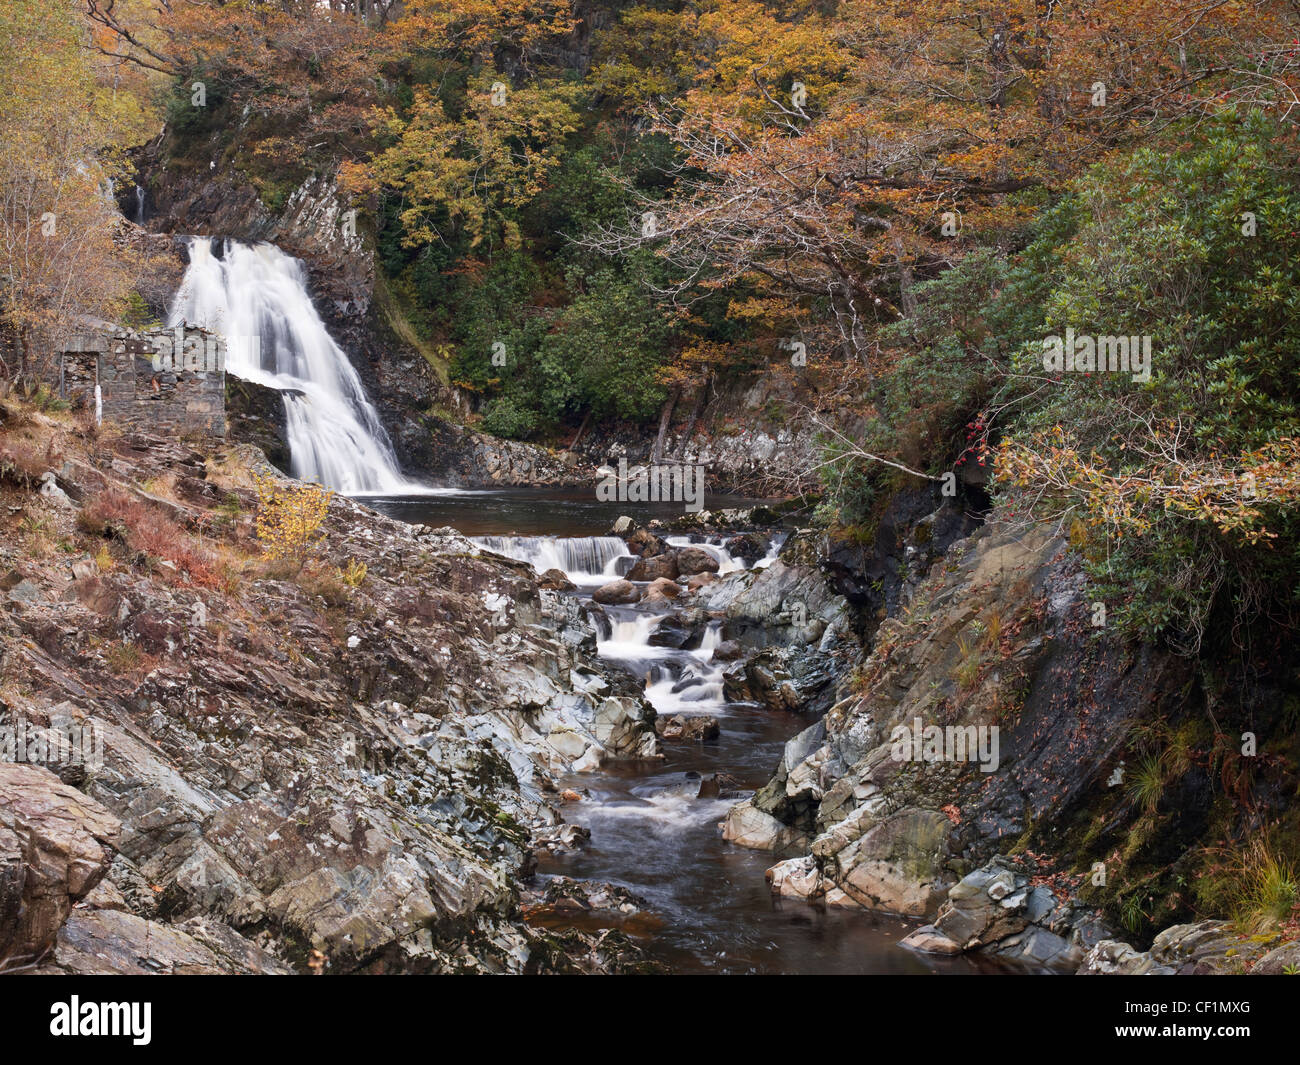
59	260
470	173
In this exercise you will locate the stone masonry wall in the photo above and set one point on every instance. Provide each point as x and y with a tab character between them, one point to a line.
170	382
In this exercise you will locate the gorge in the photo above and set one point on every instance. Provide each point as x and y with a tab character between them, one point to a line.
564	487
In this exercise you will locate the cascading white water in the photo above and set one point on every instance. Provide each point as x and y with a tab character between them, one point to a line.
583	559
256	296
727	563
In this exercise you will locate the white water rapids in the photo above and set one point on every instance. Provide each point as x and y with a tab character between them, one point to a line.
256	296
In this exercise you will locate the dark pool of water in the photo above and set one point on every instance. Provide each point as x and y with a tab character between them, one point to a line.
533	511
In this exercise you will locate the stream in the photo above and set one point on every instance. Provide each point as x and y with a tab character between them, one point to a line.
649	831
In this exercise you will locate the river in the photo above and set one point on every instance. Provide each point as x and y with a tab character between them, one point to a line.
649	832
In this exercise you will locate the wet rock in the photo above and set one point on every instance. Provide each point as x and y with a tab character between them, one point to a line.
625	726
662	592
749	826
654	568
700	580
688	729
645	544
693	560
673	631
617	593
895	864
928	940
555	580
728	651
748	547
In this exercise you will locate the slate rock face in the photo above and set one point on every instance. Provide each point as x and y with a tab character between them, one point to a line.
55	846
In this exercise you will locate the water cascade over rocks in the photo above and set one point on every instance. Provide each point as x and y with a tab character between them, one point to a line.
256	296
585	560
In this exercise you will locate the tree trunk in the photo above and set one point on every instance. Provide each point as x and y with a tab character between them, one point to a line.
664	417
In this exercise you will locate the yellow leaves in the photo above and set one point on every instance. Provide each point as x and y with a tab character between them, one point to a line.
494	157
289	517
353	574
1233	500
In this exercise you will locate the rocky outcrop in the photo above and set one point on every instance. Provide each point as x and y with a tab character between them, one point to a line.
1000	910
55	846
1026	712
1201	948
460	457
309	774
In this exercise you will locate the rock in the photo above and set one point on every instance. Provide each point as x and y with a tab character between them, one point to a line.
622	526
654	568
646	544
52	493
662	590
749	826
617	593
625	726
897	864
84	569
929	940
973	915
55	845
694	560
1279	960
1110	957
25	591
1206	947
555	580
728	651
673	631
112	942
688	729
590	762
700	580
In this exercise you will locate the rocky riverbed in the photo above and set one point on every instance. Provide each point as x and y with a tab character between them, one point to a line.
416	753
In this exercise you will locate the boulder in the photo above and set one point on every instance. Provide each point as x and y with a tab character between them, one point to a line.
654	568
662	592
688	729
617	593
556	580
672	631
693	560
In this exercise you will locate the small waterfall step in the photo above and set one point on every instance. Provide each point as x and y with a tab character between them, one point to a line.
585	560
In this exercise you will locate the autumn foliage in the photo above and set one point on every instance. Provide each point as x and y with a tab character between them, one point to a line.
289	517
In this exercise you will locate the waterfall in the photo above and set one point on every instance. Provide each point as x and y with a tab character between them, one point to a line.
583	559
256	296
139	205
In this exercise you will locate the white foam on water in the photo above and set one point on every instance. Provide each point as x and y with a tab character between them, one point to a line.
256	296
585	560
